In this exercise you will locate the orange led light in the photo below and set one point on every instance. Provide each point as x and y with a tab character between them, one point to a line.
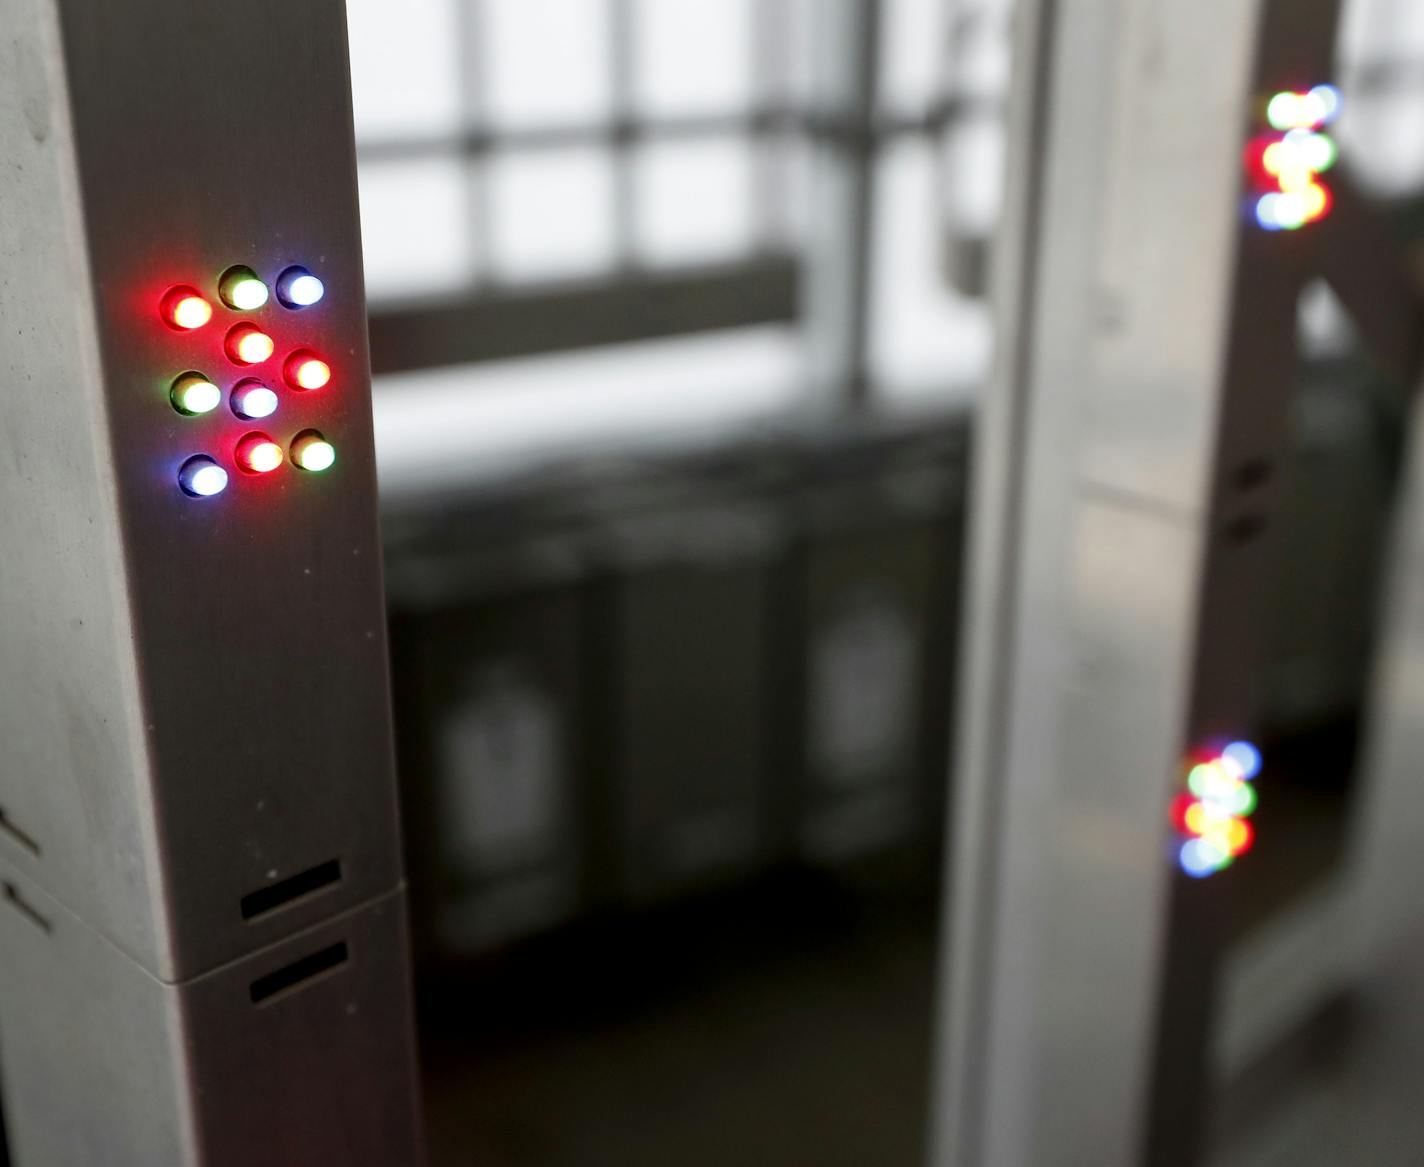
184	309
247	345
305	370
258	454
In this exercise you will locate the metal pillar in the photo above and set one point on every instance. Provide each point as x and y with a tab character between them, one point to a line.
1128	470
202	920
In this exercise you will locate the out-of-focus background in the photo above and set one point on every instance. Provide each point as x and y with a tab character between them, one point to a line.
678	320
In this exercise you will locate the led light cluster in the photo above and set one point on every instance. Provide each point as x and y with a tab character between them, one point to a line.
1212	818
253	394
1286	163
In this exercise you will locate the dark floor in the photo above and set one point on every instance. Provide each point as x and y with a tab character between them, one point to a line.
784	1024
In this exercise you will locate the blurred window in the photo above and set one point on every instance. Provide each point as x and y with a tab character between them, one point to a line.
1381	126
539	176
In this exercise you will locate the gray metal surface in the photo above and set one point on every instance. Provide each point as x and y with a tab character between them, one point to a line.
1092	522
260	618
193	692
74	780
107	1064
248	738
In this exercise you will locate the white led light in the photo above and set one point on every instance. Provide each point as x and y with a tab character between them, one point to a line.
253	399
201	477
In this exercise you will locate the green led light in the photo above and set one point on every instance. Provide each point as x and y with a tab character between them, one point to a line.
1242	801
313	452
1283	111
240	288
193	394
1201	779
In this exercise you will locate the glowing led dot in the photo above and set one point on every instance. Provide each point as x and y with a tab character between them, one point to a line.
1306	150
1209	780
1295	179
306	370
1181	811
247	345
201	477
1283	111
1329	101
184	309
1202	818
240	288
1315	202
258	454
1245	756
1242	801
1292	209
1199	858
312	452
1267	213
252	399
1239	837
298	288
192	394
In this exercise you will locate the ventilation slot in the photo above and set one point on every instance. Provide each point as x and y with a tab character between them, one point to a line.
292	889
16	901
298	973
9	830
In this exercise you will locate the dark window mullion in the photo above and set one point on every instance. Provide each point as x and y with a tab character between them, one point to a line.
474	122
622	41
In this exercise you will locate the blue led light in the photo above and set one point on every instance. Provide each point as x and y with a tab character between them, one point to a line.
201	477
1198	858
1245	757
252	399
1266	212
298	288
1329	98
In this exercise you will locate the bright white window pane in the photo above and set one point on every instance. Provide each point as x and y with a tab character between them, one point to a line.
404	67
414	226
984	53
912	51
692	56
546	62
972	188
435	427
925	340
553	213
1382	130
694	200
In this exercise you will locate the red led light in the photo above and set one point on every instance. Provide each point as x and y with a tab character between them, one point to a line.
305	370
184	308
1319	201
1260	174
1180	806
1241	837
248	345
258	454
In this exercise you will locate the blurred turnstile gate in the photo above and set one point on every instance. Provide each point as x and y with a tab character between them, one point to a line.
202	937
1128	476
